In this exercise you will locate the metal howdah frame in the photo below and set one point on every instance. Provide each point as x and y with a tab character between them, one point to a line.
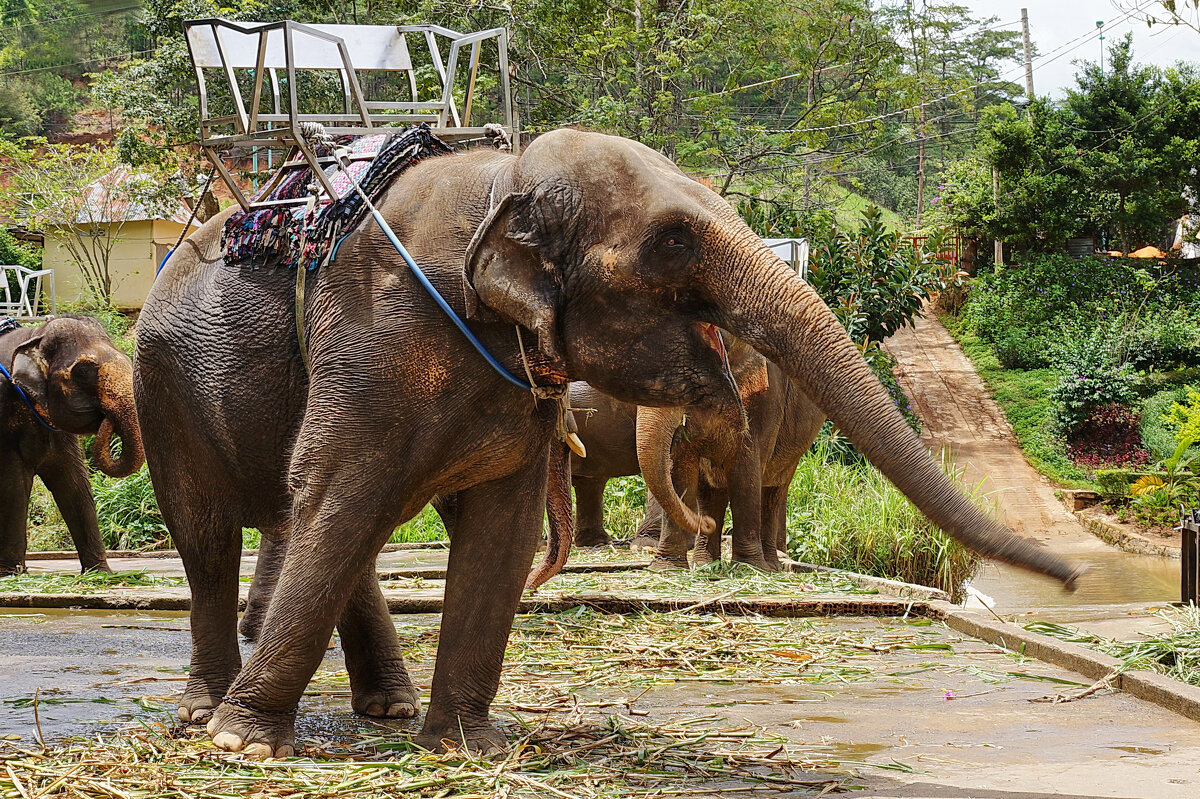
265	49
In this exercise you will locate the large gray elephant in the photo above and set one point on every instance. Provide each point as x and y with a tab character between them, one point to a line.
615	265
80	384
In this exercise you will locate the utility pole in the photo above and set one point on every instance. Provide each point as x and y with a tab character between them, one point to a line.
1100	27
997	245
1028	53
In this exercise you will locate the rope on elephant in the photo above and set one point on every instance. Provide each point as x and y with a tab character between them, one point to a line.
287	234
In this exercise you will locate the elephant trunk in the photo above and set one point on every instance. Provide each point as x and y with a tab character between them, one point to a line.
762	300
115	388
560	512
655	432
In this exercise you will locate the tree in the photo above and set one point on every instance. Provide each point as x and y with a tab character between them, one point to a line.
81	192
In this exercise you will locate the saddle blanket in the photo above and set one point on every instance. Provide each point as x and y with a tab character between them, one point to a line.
295	236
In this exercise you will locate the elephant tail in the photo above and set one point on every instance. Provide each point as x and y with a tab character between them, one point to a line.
561	515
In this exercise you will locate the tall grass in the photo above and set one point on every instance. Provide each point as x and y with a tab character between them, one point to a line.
849	516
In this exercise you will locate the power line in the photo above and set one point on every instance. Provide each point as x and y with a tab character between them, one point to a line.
40	22
76	63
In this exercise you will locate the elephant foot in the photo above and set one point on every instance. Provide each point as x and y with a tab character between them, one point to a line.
255	735
758	562
98	566
201	697
480	738
701	557
643	542
10	569
662	564
393	698
251	624
592	537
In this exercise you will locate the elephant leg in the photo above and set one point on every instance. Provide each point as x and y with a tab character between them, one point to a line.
272	549
774	523
589	512
210	545
745	502
446	506
673	543
500	523
15	486
65	474
713	502
650	529
335	537
379	682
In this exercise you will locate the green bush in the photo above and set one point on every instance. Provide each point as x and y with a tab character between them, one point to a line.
849	516
874	279
1090	377
128	513
1158	434
1114	483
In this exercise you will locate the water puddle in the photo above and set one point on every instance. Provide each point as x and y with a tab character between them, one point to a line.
1114	578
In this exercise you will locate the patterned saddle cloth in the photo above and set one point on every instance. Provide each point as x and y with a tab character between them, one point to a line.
294	236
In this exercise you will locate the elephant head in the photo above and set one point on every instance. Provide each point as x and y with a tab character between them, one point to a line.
657	429
82	384
621	265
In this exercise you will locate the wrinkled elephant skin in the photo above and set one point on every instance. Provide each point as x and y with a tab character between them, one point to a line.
609	258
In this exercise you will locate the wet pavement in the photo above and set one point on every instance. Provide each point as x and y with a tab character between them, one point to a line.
948	718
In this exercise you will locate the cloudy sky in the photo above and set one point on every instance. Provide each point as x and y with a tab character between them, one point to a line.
1065	31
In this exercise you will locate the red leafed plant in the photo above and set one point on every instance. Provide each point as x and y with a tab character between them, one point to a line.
1108	438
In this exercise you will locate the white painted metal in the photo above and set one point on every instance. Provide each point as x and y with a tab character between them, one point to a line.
24	304
793	251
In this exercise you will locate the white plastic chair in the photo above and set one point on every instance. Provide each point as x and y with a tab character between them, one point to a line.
26	302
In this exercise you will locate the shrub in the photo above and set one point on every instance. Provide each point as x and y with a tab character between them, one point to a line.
874	279
1090	377
1114	483
1156	430
1108	437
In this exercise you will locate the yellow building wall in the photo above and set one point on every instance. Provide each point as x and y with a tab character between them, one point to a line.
135	256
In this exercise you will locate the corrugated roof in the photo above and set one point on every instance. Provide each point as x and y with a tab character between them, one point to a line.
100	209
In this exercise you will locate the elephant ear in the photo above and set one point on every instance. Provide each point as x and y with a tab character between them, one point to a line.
509	270
31	370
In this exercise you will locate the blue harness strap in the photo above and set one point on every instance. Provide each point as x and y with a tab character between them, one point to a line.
25	399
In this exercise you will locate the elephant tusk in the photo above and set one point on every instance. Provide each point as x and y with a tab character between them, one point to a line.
576	445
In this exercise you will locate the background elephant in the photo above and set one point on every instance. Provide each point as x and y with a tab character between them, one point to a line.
698	464
606	428
81	384
615	265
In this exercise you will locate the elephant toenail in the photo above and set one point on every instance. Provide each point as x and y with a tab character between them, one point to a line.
184	714
374	709
227	741
285	751
258	751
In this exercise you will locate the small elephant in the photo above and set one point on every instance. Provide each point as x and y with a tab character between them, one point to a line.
606	427
715	461
80	384
590	256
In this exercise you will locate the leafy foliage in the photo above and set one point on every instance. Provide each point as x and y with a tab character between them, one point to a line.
874	279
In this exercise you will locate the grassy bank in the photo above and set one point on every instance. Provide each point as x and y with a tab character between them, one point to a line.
849	516
1024	396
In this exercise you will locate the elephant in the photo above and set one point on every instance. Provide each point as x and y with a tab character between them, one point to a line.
80	384
716	462
607	429
585	257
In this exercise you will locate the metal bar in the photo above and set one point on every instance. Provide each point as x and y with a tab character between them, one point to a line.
1189	566
231	78
319	173
448	89
471	75
215	159
256	96
506	90
355	88
289	58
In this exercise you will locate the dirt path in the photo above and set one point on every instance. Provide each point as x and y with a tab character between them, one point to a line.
958	414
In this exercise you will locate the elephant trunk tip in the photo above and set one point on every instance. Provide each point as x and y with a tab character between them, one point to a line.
1069	584
708	525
